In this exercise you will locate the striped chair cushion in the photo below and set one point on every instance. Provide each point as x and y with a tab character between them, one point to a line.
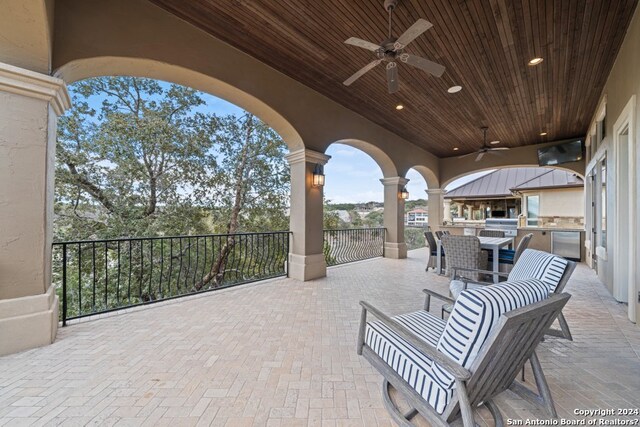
457	286
539	265
474	314
402	357
423	324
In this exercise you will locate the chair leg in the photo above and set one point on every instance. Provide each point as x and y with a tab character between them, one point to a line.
495	413
543	387
564	326
543	398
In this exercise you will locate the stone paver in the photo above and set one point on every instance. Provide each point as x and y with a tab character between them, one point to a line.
282	353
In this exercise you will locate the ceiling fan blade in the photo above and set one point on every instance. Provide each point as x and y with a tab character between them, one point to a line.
354	41
361	72
424	64
392	77
419	27
480	156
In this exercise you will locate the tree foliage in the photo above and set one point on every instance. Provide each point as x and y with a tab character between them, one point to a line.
138	157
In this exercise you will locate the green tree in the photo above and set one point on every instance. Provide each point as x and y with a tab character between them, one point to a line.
250	190
126	169
374	219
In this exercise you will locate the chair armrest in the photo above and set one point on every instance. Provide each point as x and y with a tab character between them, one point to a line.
426	349
501	274
430	293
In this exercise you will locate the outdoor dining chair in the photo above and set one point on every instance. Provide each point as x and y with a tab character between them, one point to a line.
510	256
433	251
491	233
446	370
464	252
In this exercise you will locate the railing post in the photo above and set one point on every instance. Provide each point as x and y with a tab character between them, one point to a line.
64	284
384	239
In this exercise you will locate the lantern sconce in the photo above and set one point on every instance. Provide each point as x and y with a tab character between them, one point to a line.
318	175
404	193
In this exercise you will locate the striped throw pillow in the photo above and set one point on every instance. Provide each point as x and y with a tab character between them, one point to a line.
544	266
474	314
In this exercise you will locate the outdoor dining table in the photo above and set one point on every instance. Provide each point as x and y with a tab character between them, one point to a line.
493	244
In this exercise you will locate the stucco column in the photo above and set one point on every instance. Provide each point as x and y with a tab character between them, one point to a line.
306	257
435	207
394	245
460	210
447	211
30	103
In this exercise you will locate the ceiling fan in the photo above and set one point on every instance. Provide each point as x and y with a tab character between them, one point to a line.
486	148
391	51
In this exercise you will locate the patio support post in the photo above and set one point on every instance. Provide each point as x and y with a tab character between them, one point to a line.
435	207
306	257
394	245
447	211
30	103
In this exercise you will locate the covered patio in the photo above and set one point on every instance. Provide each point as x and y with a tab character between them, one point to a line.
282	353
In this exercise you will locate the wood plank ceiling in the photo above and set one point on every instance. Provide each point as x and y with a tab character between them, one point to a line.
484	44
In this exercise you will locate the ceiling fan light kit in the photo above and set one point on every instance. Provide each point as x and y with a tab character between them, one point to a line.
391	51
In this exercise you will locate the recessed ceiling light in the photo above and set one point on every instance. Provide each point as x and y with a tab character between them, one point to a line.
494	142
454	89
535	61
543	134
399	107
455	148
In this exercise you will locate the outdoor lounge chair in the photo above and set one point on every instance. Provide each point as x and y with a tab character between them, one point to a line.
491	233
433	251
444	370
553	270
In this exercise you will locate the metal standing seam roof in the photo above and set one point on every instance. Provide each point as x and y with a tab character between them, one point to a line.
501	182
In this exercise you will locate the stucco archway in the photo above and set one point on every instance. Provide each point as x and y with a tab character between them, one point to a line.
381	158
140	67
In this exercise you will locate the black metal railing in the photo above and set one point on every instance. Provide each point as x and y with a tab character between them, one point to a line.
355	244
99	276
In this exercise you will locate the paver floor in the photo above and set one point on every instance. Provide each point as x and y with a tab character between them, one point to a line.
282	353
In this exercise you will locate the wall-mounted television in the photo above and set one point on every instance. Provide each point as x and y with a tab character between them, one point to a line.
562	153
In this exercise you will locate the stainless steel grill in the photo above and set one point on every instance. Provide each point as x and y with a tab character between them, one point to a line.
508	225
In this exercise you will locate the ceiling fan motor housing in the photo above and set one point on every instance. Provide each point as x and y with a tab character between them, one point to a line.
390	4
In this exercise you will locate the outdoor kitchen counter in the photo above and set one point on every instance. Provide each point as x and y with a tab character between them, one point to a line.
542	237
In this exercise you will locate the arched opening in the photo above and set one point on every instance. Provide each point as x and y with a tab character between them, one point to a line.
161	191
416	215
140	67
354	210
543	201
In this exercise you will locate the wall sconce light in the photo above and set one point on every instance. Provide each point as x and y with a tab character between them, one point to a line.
318	176
404	193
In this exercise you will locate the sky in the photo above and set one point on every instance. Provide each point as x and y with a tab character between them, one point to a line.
351	176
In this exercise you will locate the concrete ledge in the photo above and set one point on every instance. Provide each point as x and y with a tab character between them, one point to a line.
307	267
28	322
395	250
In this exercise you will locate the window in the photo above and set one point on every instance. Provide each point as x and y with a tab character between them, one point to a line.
603	203
533	211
